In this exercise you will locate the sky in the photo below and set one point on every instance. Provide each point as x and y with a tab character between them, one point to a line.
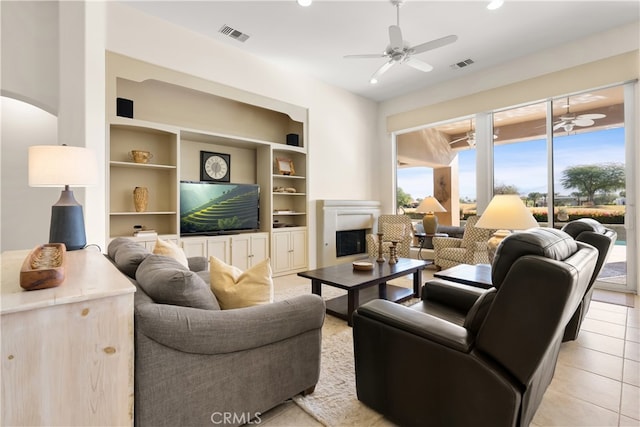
524	164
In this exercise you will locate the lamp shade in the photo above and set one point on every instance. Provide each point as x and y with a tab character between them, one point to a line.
430	204
507	212
60	165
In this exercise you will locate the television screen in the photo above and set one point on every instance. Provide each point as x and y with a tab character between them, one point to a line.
215	208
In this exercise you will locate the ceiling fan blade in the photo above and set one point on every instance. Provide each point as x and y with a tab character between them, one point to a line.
395	38
458	140
559	125
366	55
434	44
380	71
583	122
418	65
591	116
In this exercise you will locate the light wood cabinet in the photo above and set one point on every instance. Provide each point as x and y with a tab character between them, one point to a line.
67	352
289	251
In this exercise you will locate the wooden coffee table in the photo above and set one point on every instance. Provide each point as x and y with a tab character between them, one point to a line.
478	275
360	285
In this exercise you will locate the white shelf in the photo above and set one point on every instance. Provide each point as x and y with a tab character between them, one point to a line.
140	165
288	213
276	175
278	193
143	213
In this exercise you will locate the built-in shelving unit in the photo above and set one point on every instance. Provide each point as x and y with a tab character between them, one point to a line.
175	118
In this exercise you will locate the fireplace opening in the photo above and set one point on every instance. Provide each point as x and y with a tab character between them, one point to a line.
351	242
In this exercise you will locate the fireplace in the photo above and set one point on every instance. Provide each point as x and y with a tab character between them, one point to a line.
351	242
353	220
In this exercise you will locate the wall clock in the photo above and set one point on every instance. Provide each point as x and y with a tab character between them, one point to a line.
215	166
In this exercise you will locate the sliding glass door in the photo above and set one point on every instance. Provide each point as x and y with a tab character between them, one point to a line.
589	169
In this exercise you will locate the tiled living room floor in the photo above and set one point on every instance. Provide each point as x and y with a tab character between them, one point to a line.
596	383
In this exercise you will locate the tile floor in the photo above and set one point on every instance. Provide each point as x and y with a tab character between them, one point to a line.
596	383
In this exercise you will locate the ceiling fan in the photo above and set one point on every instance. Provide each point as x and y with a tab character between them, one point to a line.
471	136
400	52
568	121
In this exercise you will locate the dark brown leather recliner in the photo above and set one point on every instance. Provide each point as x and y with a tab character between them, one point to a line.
467	356
590	231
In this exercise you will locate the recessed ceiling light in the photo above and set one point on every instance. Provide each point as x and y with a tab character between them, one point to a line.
495	4
305	3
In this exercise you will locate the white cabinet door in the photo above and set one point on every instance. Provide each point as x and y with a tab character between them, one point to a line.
241	251
219	247
194	246
280	253
299	249
259	247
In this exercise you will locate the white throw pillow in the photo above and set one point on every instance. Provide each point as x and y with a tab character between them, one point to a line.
236	289
170	249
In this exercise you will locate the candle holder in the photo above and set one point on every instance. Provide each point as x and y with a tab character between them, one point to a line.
380	257
393	252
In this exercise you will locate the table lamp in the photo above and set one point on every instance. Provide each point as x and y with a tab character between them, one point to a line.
428	206
505	212
64	166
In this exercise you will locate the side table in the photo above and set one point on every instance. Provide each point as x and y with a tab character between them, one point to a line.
67	352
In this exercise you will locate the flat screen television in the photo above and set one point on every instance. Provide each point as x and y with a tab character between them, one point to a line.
211	208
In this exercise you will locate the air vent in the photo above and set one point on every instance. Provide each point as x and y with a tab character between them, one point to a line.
233	33
462	64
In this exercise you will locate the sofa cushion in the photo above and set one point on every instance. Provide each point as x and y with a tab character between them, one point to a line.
170	249
167	281
127	255
236	289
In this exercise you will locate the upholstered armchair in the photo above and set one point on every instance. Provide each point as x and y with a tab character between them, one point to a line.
589	231
466	356
392	227
471	249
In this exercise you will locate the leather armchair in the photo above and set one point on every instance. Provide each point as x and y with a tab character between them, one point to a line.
589	231
470	249
468	356
393	227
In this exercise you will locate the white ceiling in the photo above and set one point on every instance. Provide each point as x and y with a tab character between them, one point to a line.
314	39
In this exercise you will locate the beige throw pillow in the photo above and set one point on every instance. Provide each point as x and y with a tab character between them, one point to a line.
170	249
235	289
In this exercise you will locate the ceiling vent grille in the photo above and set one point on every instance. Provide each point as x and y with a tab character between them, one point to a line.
462	64
233	33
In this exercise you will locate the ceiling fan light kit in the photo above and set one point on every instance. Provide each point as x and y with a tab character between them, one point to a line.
400	52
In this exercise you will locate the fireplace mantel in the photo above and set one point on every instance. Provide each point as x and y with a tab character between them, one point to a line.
341	215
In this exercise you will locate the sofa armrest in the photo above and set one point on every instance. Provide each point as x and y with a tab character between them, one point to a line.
199	331
455	295
417	323
198	263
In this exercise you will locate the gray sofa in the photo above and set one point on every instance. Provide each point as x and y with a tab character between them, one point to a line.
198	365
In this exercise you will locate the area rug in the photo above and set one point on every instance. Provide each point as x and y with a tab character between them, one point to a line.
613	269
611	297
334	402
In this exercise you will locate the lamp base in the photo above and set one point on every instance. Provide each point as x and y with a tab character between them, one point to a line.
430	223
67	222
494	241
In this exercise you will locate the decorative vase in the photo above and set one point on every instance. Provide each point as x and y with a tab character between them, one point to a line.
140	198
